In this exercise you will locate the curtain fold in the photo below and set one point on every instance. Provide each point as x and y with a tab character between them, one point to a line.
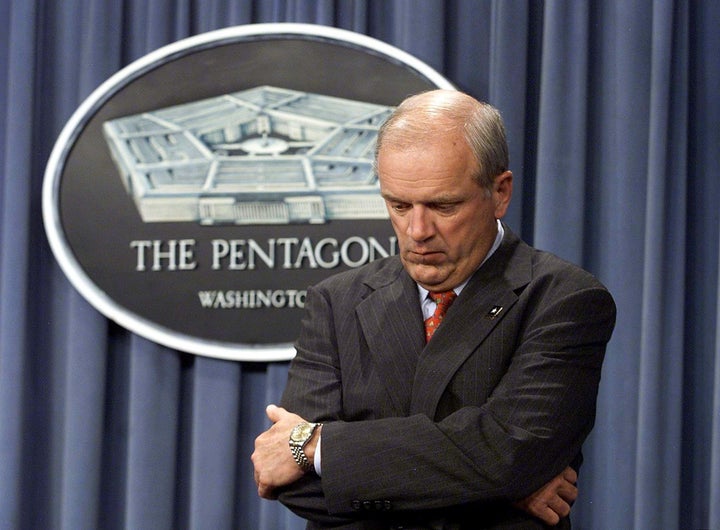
15	256
701	363
660	376
510	65
153	435
714	446
613	122
562	126
212	466
81	410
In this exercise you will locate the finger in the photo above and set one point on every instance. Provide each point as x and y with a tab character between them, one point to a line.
265	492
559	507
567	492
273	412
570	475
549	516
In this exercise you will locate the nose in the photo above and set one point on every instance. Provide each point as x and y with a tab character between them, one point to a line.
420	226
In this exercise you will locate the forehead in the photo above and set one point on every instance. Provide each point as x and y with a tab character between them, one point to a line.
441	165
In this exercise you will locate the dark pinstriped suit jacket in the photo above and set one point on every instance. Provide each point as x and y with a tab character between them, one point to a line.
446	435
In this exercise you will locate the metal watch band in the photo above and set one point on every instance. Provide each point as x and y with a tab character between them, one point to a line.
301	458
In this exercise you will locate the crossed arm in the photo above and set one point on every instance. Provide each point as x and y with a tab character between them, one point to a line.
559	383
275	468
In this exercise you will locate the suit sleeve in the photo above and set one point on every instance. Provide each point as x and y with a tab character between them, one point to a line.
314	391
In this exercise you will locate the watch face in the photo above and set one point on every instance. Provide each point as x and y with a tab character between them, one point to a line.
300	433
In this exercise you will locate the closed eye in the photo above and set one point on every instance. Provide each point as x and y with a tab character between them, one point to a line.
445	208
400	207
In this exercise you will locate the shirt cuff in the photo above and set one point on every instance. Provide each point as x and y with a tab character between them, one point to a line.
317	458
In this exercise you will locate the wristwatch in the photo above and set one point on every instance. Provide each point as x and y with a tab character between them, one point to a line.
299	437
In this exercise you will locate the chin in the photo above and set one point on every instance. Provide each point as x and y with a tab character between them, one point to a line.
427	279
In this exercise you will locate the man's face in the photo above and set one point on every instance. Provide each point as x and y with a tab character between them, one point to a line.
444	220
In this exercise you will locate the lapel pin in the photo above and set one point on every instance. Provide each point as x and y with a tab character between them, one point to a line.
494	312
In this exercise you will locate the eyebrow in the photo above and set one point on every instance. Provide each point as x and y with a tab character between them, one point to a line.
389	197
442	199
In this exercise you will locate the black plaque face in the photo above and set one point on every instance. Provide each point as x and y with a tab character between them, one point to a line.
228	283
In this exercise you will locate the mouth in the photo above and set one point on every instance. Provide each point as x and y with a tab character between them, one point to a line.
425	257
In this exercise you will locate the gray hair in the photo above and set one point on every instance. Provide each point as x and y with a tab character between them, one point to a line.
424	116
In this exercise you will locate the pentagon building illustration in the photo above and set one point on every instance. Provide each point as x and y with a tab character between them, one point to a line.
265	155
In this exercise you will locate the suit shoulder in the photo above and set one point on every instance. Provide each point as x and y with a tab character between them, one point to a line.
522	264
560	279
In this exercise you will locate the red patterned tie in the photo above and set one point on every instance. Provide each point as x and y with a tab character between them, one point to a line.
443	301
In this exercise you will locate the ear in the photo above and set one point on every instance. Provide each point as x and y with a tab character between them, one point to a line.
502	193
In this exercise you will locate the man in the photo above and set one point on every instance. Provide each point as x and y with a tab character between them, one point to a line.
480	426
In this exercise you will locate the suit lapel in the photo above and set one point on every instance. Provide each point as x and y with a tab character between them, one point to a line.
391	320
484	302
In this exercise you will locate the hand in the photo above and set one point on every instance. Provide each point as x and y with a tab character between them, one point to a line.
272	459
552	502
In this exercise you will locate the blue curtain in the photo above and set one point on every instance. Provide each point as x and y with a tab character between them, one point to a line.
613	116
